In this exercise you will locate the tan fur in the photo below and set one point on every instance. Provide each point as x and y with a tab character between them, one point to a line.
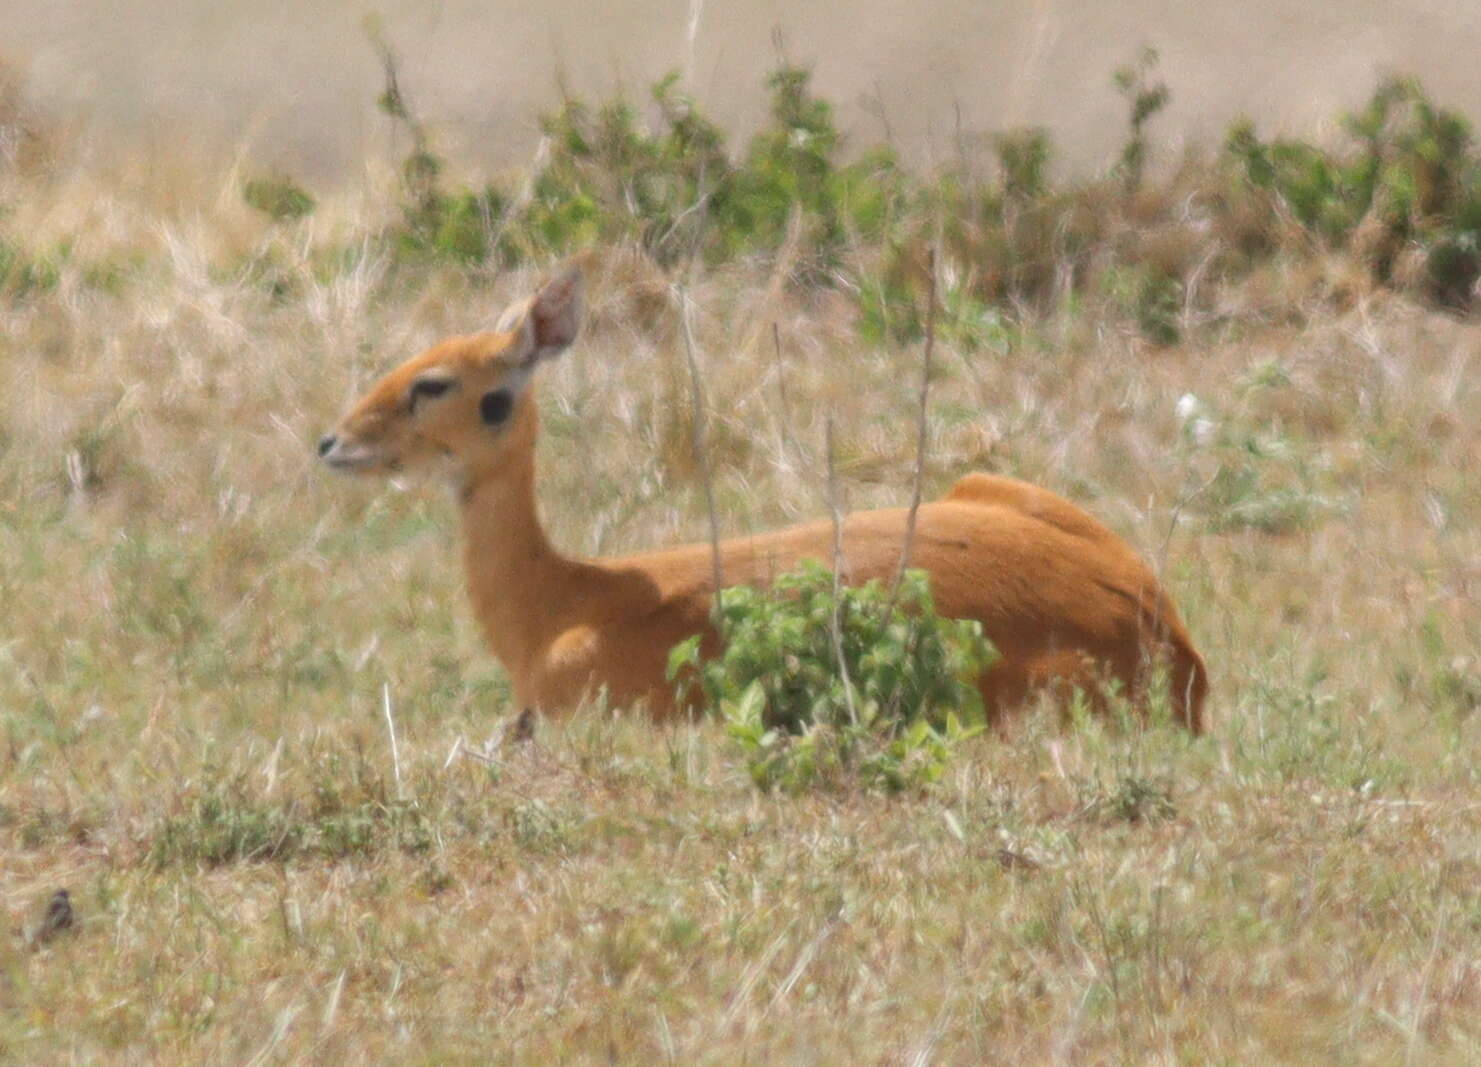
1064	600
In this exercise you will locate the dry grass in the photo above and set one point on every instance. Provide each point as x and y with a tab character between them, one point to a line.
199	624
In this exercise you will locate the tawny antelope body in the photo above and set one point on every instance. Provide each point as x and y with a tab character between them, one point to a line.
1063	599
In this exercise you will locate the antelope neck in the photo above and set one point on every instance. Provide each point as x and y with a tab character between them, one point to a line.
519	583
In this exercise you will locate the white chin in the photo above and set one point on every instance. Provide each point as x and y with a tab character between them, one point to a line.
352	462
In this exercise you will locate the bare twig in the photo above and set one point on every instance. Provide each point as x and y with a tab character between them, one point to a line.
331	1008
921	426
874	106
1184	499
700	205
701	453
835	509
1083	896
781	374
393	99
922	1054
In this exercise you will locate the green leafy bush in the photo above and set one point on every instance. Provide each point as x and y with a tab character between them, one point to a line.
1023	156
1408	179
818	684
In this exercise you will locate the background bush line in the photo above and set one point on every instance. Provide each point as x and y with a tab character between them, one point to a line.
1396	203
1258	231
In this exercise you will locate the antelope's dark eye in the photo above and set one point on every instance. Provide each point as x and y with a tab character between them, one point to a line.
426	389
495	406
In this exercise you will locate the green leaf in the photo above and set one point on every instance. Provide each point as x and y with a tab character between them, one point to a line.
684	654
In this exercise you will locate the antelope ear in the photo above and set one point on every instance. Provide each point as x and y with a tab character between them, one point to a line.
550	320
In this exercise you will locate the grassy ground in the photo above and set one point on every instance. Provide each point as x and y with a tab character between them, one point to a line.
201	632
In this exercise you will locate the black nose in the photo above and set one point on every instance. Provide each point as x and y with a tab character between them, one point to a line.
325	444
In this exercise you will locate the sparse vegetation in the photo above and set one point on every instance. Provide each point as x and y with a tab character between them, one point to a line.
1263	378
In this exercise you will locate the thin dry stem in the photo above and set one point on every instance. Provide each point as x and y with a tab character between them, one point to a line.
789	438
701	452
835	512
391	729
922	426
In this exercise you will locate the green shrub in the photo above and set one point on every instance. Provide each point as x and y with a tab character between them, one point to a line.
667	182
458	226
1132	798
609	176
673	186
819	684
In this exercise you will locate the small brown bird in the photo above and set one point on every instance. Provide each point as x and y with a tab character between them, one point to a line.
58	917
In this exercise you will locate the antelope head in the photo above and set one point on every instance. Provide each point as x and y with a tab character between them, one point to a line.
466	399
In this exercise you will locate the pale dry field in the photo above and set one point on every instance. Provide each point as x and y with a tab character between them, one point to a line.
201	629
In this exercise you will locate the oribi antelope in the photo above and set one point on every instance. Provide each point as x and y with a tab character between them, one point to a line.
1065	601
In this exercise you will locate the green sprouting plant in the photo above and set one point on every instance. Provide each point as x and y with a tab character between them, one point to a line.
226	823
459	225
789	166
1144	99
280	198
1023	157
818	683
1264	477
23	274
1150	296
